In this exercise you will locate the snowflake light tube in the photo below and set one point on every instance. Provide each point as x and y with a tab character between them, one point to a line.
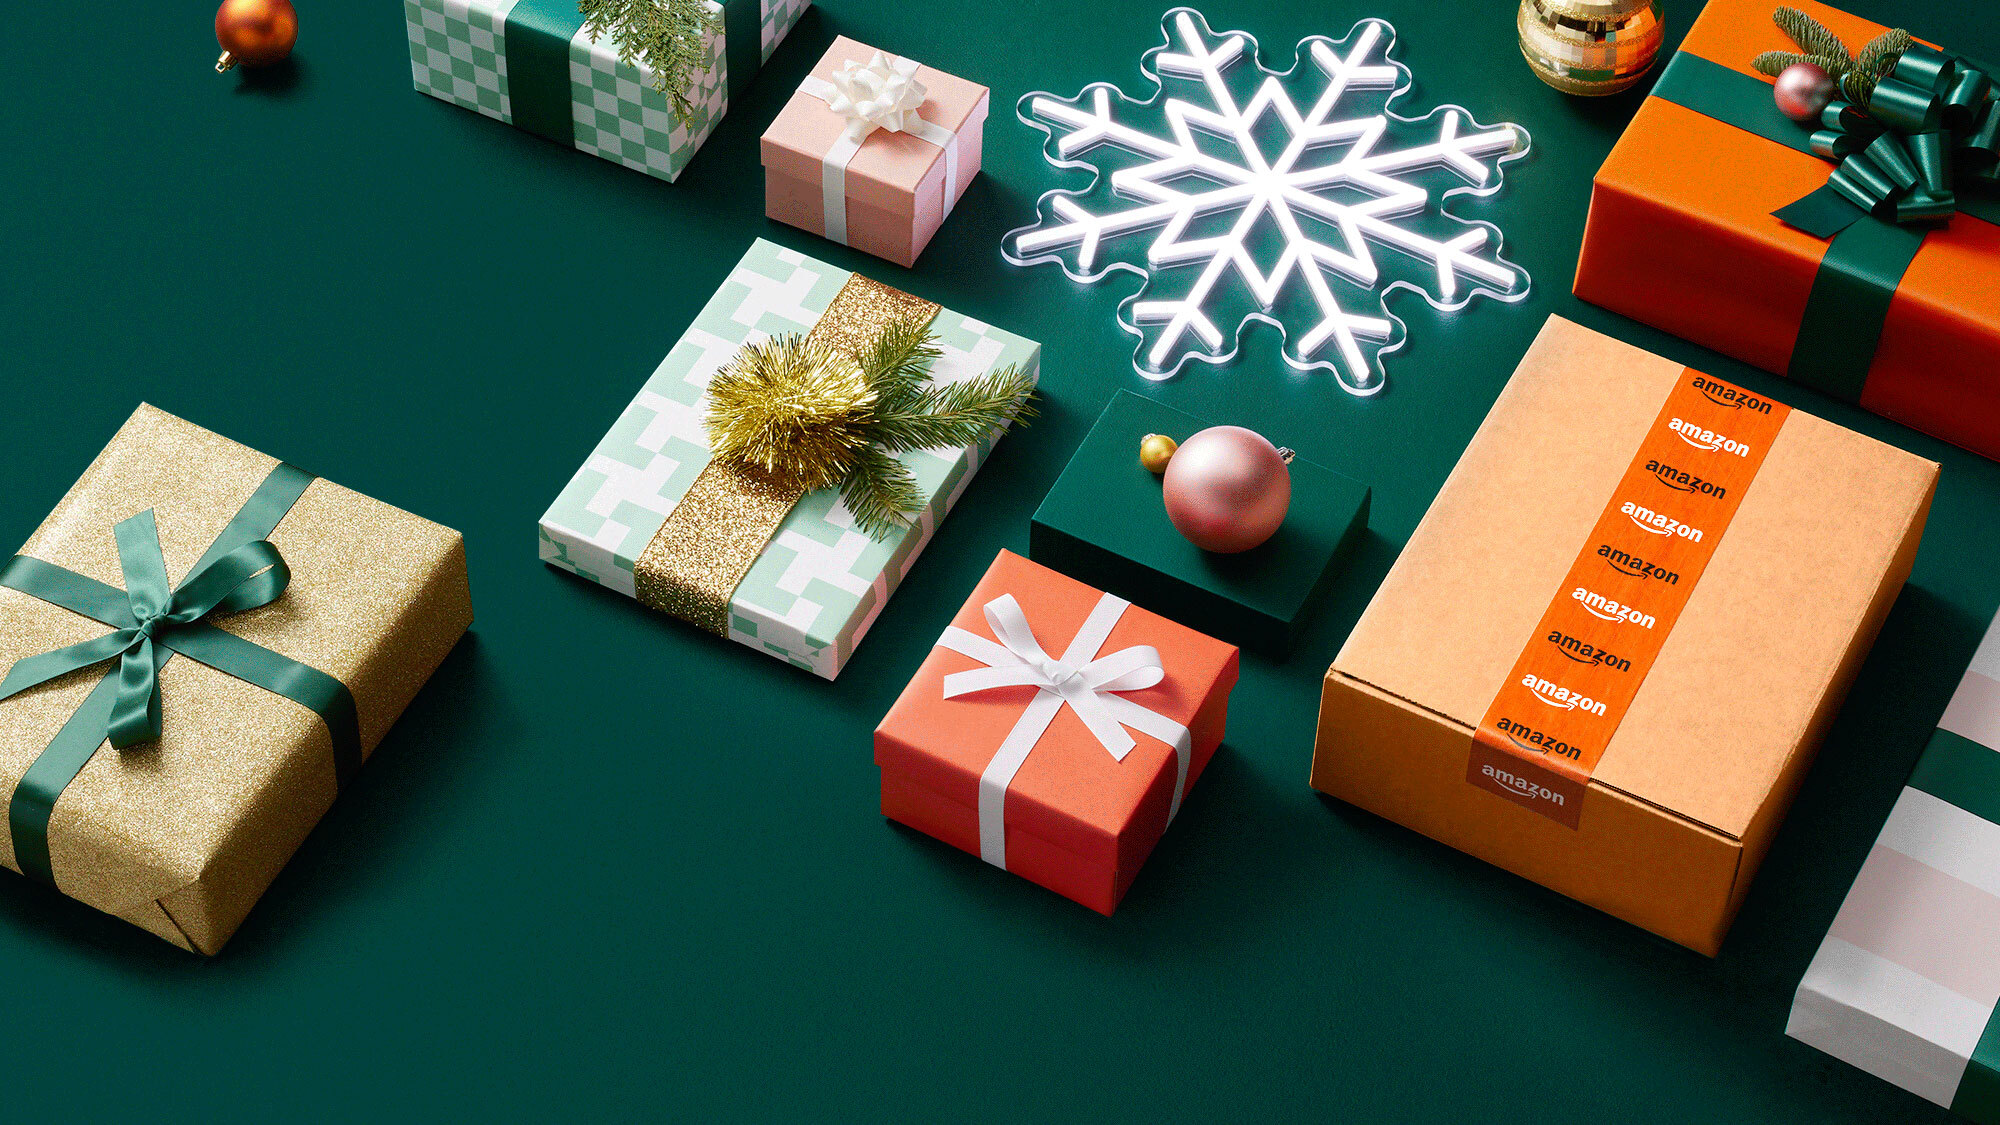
1237	203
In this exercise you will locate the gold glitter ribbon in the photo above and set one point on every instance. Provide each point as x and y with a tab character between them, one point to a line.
694	563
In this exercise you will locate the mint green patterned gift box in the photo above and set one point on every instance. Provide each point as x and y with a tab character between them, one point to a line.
820	581
530	63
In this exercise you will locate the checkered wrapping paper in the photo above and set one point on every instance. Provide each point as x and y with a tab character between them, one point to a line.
457	53
820	582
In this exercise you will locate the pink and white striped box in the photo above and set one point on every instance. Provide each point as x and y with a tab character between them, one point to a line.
1906	982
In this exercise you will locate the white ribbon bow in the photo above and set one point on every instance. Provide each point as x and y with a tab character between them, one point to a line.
1081	679
882	93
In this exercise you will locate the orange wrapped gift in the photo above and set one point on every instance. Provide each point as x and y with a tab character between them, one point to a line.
873	151
1054	730
1898	311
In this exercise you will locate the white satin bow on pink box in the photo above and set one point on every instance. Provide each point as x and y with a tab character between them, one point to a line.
882	93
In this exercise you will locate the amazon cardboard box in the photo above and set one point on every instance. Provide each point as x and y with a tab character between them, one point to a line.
1646	591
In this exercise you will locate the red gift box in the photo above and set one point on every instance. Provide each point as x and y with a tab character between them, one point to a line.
1054	730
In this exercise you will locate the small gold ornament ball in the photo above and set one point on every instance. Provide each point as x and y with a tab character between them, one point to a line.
1155	450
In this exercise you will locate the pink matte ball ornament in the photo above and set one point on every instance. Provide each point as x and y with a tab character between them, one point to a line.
1802	90
1227	489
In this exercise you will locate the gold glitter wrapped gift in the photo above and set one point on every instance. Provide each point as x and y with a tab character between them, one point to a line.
181	834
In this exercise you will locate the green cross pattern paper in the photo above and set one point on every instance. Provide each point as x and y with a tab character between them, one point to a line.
457	53
820	582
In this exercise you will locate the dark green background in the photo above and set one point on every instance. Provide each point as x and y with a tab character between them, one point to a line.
607	867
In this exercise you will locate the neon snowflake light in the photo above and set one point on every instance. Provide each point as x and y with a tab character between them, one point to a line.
1233	172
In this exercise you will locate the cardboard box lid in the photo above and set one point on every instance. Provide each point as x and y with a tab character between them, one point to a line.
1742	675
890	166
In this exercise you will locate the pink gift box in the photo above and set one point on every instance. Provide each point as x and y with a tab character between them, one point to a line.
898	186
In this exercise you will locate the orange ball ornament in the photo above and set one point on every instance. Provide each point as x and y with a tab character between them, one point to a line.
255	32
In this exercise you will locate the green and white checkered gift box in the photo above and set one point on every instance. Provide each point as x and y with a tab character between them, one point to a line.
458	52
820	582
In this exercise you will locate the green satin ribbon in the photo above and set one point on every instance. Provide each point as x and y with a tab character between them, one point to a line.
1930	127
538	35
538	87
1864	262
1961	772
151	620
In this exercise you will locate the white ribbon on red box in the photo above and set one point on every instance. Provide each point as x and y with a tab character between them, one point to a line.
1084	681
882	93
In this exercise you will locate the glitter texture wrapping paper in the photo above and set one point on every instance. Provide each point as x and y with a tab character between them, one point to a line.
183	835
820	582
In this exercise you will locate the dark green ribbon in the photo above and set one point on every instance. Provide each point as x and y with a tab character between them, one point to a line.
151	620
1865	260
1930	126
1959	771
538	35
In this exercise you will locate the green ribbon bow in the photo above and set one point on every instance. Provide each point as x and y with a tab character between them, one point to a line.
151	620
1929	126
245	578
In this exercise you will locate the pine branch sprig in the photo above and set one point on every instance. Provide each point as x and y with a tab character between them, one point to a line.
1773	63
1857	74
670	36
1877	58
958	414
1814	38
898	364
879	491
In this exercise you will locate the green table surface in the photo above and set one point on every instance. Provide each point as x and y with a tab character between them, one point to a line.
607	867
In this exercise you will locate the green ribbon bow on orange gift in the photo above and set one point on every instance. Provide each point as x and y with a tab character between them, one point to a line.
1930	126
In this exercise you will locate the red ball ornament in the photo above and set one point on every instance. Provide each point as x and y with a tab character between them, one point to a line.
1802	90
255	32
1227	489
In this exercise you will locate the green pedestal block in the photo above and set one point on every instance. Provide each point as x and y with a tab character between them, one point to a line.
1104	523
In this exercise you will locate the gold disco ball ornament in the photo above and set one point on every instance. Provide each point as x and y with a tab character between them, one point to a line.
1590	47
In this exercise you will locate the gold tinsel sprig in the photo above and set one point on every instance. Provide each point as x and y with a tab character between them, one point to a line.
794	408
814	416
